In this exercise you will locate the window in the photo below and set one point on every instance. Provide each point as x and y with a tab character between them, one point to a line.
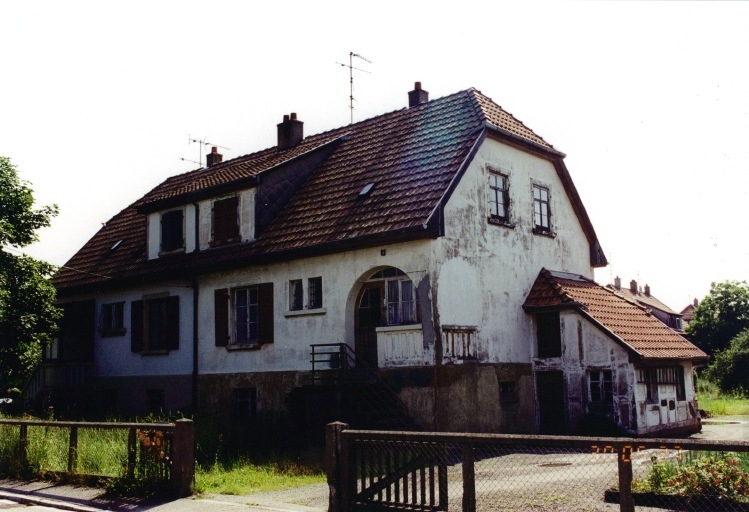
172	231
155	324
225	220
541	209
245	403
601	388
244	316
667	375
112	319
499	199
314	292
548	335
296	295
401	302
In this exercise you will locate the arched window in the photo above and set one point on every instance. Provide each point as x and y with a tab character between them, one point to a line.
401	300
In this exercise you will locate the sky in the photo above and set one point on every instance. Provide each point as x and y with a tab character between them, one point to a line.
648	100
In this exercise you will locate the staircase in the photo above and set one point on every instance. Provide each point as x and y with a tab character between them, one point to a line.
64	386
339	390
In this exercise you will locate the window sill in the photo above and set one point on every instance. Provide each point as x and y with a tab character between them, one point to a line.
110	334
496	221
543	232
221	243
394	328
155	353
173	251
239	348
305	312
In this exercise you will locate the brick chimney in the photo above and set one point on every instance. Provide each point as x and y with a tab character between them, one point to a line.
617	283
647	290
633	287
290	132
417	96
213	158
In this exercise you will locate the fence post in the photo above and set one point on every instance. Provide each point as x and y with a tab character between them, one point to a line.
626	504
469	479
442	475
23	442
131	453
73	451
183	457
335	465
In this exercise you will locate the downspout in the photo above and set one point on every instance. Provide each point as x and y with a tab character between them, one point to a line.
195	296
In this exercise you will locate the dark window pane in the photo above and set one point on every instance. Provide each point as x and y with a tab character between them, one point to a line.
172	231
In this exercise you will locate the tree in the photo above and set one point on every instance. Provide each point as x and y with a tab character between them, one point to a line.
28	316
729	367
720	316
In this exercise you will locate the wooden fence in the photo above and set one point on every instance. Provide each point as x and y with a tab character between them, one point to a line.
176	440
382	470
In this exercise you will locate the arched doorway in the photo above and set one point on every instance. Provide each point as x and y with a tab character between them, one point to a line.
388	297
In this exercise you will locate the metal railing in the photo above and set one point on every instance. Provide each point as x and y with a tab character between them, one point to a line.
331	362
379	470
157	451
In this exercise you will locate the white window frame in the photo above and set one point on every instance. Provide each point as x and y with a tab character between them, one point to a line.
541	200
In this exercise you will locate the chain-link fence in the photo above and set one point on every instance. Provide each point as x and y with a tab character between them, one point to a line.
370	470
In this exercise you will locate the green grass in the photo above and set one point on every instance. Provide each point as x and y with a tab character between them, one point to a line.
244	476
715	403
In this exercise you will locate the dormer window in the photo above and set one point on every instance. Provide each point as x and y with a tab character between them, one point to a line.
225	221
172	231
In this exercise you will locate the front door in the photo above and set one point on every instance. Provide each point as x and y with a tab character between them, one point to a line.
550	392
369	316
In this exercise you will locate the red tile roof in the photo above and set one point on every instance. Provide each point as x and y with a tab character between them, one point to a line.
412	155
642	299
626	322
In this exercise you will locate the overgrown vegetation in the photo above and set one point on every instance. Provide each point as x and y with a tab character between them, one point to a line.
717	475
716	403
243	476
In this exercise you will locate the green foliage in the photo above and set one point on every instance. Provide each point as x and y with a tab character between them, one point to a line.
720	316
28	317
243	476
729	367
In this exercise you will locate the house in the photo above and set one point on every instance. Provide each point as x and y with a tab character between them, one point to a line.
644	298
405	246
609	361
687	314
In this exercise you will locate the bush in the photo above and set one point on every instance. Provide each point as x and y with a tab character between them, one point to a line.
728	369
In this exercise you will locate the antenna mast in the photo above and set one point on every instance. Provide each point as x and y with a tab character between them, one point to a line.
201	142
351	69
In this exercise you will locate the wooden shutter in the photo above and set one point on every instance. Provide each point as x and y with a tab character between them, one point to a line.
136	326
225	219
172	323
265	312
221	320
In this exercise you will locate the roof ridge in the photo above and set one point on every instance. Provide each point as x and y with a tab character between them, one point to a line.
514	118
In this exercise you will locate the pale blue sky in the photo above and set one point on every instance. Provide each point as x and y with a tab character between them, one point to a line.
648	100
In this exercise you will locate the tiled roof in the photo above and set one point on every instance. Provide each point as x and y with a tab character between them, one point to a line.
647	301
412	156
625	321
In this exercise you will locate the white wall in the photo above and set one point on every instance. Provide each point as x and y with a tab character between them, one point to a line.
246	217
112	355
501	261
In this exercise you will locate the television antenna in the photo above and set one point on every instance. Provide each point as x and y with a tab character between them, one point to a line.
351	69
201	144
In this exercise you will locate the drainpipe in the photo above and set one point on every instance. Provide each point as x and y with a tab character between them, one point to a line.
195	296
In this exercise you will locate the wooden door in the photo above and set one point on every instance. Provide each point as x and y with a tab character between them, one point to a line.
369	316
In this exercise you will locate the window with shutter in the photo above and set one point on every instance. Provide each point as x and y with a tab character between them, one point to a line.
172	231
154	325
225	221
251	316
